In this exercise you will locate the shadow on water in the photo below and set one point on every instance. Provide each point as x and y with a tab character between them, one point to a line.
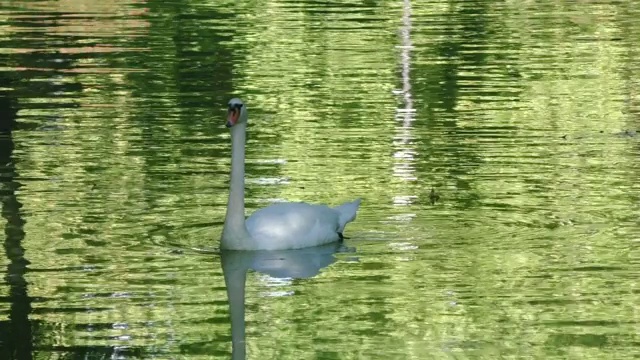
285	264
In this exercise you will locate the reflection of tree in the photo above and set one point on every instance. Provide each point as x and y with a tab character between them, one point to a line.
49	89
631	65
19	339
112	113
629	69
448	86
405	153
145	139
174	104
186	74
177	97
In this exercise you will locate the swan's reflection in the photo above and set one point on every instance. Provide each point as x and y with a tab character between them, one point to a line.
283	264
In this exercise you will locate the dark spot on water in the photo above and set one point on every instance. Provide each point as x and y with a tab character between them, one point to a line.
95	242
433	196
585	340
587	323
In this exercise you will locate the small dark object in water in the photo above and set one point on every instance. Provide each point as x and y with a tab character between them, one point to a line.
433	196
630	133
564	136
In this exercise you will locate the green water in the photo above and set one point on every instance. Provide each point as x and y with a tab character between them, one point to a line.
493	144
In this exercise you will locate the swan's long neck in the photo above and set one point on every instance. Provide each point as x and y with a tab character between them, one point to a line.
235	233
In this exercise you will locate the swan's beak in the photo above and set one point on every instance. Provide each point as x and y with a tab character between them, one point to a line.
232	116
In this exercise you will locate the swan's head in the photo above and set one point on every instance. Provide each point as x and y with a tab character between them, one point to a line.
237	112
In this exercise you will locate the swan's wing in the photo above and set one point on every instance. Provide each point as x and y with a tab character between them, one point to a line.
294	225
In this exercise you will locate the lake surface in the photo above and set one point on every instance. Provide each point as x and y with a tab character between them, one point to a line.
493	143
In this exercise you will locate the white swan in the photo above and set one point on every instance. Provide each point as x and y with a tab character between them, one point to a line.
280	226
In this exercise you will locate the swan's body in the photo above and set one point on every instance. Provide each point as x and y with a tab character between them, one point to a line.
280	226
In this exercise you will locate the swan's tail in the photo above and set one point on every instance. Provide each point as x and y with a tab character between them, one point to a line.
347	212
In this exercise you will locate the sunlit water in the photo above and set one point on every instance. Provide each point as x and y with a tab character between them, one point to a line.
493	143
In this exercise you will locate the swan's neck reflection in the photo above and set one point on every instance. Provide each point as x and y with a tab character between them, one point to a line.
284	264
